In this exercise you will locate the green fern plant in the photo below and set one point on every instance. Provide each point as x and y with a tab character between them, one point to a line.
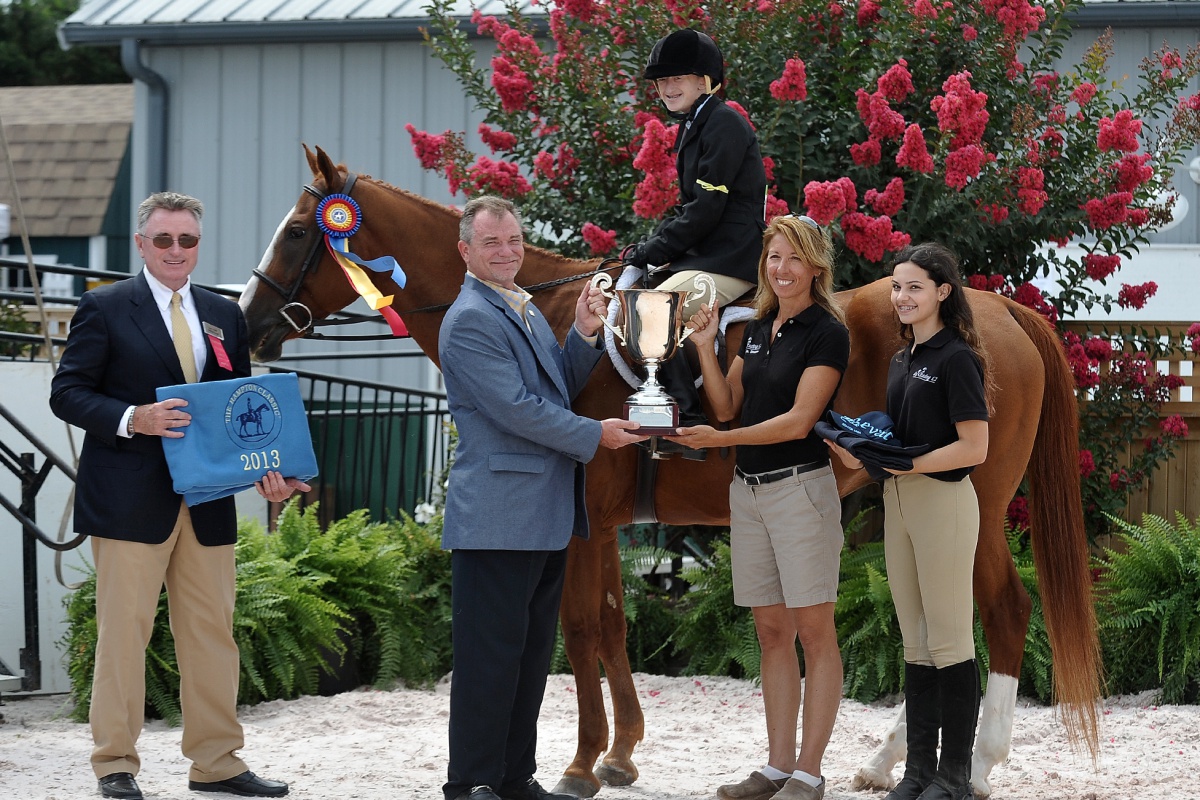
718	636
391	579
869	636
650	614
303	597
1149	608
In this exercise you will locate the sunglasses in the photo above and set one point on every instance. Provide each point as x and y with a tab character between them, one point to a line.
164	241
803	218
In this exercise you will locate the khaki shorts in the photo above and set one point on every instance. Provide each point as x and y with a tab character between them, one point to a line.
786	540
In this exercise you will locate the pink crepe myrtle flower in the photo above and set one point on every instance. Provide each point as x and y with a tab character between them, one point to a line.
790	87
889	201
913	152
599	240
1136	295
1119	132
1098	267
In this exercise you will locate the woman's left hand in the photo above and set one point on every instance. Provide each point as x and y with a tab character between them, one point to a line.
697	436
276	488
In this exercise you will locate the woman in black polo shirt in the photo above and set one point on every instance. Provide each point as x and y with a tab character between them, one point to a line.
936	395
785	515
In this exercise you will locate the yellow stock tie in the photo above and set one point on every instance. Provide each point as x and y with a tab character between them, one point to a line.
182	336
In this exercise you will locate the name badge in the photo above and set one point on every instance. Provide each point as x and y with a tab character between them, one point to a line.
213	331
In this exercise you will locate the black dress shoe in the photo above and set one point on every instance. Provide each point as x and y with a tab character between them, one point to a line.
120	784
532	790
479	793
247	785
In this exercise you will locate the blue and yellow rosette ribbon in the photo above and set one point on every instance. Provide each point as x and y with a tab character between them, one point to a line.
339	218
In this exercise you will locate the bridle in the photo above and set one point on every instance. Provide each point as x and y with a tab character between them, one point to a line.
310	264
306	330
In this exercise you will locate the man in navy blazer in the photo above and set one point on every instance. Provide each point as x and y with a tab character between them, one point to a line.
120	349
515	498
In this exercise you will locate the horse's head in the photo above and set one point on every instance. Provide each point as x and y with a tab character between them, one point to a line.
297	282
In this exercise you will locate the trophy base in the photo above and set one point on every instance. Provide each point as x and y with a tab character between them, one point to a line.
655	420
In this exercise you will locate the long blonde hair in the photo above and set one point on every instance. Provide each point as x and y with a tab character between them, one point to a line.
812	243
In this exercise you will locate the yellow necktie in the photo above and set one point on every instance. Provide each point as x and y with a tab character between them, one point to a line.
182	335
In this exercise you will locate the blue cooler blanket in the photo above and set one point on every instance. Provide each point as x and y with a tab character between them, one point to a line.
241	429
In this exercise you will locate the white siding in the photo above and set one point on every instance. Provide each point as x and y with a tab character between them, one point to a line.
236	120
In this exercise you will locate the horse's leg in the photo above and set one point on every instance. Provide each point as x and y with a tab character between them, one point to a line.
1004	609
617	768
581	638
876	772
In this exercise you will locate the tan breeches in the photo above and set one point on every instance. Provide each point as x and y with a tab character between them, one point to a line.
931	528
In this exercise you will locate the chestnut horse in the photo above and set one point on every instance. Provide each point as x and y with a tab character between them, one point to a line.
1034	428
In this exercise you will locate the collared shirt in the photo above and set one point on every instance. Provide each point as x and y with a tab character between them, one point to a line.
518	300
932	386
162	299
771	371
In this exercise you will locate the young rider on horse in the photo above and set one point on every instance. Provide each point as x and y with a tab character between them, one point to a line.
717	226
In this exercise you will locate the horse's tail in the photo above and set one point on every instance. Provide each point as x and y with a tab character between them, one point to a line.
1060	546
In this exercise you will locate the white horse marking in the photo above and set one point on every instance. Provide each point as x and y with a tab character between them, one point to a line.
994	739
252	284
991	744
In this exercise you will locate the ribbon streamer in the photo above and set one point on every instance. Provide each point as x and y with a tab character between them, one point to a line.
353	267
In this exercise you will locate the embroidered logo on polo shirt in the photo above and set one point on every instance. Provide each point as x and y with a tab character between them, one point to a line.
752	347
923	375
252	417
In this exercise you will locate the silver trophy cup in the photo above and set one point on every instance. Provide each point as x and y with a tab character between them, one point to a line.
652	330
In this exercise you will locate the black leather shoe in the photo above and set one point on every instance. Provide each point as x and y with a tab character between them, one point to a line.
120	784
479	793
532	790
247	785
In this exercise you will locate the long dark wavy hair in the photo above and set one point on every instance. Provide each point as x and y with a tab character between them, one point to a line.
941	263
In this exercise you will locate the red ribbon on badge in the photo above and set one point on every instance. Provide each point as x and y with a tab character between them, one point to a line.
219	352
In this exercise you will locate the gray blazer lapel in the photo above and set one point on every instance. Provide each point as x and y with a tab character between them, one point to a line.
540	343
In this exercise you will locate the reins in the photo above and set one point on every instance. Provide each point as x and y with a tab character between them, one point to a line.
304	322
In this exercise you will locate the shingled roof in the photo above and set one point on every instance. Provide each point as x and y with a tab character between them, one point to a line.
66	144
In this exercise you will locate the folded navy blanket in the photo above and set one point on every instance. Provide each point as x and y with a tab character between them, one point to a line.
241	429
869	438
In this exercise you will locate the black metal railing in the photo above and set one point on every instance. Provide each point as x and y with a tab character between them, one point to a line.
379	447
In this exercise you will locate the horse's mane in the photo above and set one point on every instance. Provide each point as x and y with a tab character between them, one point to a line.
539	252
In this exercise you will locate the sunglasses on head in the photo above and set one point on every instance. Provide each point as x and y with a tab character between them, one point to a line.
164	241
803	218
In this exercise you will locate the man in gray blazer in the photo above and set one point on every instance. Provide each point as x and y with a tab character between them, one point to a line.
515	498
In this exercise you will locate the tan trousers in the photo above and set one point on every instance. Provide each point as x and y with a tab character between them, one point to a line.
728	289
930	530
200	591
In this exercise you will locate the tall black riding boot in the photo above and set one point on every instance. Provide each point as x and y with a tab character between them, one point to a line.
676	377
958	686
923	715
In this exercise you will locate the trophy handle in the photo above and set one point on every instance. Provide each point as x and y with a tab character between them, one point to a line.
603	282
704	286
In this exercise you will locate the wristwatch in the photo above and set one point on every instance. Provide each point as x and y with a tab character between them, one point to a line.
129	424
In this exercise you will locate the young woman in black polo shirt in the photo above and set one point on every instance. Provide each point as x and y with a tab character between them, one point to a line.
937	395
785	515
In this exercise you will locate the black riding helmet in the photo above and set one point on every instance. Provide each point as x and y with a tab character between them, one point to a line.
686	52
